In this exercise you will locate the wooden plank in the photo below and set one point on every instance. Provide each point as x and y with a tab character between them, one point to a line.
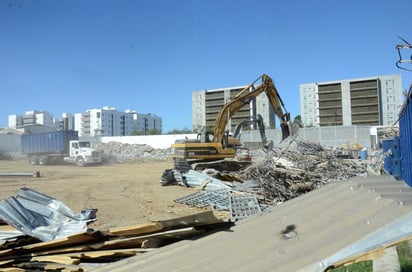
95	244
8	228
198	219
138	240
42	248
72	240
79	250
36	266
107	253
135	230
75	239
55	259
13	269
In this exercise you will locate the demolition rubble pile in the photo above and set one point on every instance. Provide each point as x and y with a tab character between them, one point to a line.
272	178
116	151
287	175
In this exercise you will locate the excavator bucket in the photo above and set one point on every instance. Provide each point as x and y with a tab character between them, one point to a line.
289	130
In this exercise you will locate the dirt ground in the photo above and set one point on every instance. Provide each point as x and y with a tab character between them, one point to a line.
125	194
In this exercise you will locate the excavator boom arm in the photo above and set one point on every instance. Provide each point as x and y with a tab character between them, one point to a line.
243	98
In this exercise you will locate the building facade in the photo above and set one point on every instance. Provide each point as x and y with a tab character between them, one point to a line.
370	101
110	122
145	123
106	121
207	104
33	117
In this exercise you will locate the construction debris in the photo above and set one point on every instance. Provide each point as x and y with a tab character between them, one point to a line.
81	249
238	205
277	178
21	174
43	217
280	182
308	147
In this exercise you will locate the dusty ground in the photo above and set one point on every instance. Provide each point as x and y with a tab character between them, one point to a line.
125	193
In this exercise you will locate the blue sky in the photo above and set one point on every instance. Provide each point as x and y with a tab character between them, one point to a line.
149	56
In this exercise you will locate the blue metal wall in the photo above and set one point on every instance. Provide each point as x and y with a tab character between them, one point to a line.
392	163
405	135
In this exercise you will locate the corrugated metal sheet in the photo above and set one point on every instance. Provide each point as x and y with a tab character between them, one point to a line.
329	220
43	217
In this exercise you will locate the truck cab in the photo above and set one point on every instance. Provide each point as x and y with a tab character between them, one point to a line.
81	153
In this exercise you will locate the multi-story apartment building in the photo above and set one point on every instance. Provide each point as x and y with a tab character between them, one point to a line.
362	101
106	121
67	121
207	104
103	122
145	122
110	122
33	117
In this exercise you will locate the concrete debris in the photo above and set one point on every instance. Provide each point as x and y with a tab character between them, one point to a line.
116	151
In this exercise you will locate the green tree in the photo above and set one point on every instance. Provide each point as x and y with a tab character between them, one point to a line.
180	131
148	132
298	121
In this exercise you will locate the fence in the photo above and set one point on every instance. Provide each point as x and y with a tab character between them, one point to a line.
333	136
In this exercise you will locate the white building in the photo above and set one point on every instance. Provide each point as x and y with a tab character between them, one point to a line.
15	121
145	122
33	117
110	122
67	121
207	104
103	122
106	121
371	101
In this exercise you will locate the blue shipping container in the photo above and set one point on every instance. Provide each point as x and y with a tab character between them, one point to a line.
56	142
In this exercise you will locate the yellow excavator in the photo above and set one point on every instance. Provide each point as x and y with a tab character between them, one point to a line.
220	145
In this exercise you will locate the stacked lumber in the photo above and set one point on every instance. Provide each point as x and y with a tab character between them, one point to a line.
84	251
